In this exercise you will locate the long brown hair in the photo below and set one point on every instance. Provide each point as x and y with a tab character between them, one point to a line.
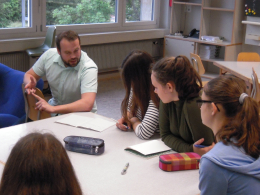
180	71
242	120
39	164
136	75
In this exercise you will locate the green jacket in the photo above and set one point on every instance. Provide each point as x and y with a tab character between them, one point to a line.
181	125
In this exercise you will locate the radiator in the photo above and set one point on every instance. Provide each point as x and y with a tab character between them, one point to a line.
110	56
17	60
106	56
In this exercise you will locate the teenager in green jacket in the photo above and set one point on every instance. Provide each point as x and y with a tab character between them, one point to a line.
178	85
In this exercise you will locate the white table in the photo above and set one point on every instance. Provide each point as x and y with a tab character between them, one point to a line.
242	70
102	174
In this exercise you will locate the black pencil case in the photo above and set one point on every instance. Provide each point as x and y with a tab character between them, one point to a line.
86	145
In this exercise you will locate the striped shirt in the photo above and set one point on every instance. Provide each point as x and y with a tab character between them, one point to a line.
150	123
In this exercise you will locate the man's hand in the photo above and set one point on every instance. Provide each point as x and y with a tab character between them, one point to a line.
30	87
204	150
42	105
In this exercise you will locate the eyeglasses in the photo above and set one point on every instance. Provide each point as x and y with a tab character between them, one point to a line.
200	102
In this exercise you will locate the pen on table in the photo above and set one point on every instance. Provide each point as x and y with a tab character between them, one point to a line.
124	170
117	122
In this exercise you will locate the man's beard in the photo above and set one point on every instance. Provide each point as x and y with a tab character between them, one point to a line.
68	63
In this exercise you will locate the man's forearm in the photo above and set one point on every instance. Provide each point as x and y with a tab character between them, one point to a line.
82	105
26	78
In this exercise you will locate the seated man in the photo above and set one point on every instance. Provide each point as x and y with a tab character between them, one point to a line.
71	74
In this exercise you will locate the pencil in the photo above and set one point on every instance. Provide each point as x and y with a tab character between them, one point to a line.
2	162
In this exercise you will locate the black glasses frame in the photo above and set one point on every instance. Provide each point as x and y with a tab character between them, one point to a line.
200	102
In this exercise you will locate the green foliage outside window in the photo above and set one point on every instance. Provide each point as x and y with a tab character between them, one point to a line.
10	12
79	12
60	12
133	10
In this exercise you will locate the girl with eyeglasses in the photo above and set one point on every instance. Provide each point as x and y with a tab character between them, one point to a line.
233	165
178	85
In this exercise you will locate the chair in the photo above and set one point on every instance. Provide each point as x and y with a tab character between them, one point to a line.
38	51
11	96
48	43
30	102
248	57
255	93
198	66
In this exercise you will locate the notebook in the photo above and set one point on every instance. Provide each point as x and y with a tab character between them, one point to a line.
96	124
149	149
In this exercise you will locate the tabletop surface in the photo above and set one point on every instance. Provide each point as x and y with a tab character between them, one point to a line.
102	174
240	69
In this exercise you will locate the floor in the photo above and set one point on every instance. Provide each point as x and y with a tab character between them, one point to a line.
110	95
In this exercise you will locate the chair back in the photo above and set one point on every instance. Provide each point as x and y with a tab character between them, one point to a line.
255	93
50	37
30	102
248	57
197	63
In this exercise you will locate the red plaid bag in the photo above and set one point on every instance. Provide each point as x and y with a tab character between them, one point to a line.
179	161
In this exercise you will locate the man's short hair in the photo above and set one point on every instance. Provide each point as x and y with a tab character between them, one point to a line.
69	35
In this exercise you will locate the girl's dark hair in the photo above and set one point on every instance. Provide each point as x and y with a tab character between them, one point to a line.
69	35
39	164
136	75
242	120
180	71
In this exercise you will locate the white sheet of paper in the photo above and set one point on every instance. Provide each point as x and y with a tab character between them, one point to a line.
150	147
97	124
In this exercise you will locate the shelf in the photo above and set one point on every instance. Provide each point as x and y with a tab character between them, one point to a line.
224	43
187	3
253	37
218	9
251	23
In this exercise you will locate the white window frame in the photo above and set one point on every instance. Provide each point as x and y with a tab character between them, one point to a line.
39	28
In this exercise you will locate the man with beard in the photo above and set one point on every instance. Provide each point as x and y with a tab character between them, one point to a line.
71	74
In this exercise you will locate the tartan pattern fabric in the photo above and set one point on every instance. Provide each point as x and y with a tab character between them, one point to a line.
179	161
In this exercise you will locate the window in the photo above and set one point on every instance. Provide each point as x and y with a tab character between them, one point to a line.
29	18
15	14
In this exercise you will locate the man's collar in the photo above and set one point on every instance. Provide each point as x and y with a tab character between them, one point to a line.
59	61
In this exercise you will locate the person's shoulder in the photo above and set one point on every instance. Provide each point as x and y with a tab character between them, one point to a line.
87	61
50	53
218	152
152	106
166	105
192	101
190	105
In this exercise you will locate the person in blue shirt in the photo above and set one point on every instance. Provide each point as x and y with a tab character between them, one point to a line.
233	165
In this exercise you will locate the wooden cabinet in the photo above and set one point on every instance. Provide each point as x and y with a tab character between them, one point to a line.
221	18
175	47
252	30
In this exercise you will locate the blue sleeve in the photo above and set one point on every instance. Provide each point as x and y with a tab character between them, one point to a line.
212	178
